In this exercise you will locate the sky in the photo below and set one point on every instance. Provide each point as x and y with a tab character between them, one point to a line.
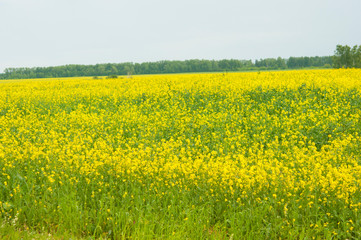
58	32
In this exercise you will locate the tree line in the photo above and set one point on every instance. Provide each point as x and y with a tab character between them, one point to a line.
344	57
186	66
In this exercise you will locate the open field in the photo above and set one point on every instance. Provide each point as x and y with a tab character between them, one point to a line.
200	156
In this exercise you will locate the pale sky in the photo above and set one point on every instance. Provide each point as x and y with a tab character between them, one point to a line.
58	32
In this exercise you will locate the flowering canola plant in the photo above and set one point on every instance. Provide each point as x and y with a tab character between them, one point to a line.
261	154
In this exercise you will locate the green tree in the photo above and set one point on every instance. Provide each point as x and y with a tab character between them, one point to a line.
342	57
356	56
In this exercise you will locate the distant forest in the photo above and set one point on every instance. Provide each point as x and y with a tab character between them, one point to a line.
187	66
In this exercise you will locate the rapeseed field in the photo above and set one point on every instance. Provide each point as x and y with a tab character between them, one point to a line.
261	155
